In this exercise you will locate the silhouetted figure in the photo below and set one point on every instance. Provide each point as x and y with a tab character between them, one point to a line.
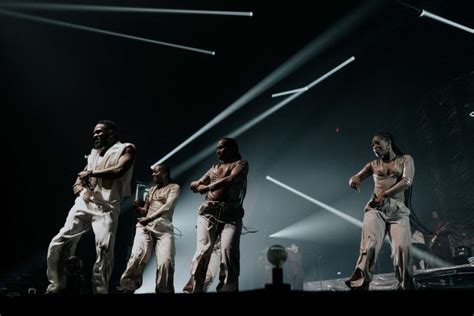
295	267
439	240
418	242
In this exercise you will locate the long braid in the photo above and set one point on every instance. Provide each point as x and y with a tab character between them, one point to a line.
414	219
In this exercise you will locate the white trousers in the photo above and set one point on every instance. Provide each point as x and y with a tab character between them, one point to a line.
143	244
82	217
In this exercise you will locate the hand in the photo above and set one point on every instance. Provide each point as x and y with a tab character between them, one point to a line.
376	200
77	188
142	211
194	186
354	183
144	221
202	188
137	204
83	175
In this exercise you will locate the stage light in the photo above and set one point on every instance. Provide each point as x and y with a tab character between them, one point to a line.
316	46
279	94
209	149
423	254
100	31
97	8
277	255
331	209
446	21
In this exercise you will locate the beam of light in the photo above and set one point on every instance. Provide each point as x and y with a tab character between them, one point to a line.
446	21
331	209
316	46
278	106
100	31
209	149
97	8
420	253
279	94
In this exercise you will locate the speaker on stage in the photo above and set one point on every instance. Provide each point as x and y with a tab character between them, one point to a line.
460	277
462	255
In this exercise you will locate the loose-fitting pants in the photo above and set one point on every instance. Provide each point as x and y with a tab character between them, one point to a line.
143	244
83	216
208	231
392	219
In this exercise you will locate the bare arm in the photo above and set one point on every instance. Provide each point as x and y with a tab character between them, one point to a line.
124	163
407	177
402	185
78	184
171	201
204	181
239	171
363	174
142	211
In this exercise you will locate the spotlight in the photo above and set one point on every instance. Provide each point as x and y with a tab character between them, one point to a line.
277	256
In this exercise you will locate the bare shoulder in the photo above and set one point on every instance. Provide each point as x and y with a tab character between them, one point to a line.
129	149
407	158
175	186
243	162
129	146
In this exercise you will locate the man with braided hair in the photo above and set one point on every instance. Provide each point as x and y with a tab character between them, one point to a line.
220	216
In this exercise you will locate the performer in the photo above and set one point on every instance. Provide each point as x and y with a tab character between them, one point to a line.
386	212
439	240
154	229
220	216
100	188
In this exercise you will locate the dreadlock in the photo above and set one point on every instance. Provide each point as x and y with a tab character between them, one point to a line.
415	221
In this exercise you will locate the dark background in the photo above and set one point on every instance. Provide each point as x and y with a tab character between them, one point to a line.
412	76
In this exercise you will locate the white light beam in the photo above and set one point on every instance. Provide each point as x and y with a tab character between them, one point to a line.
279	94
446	21
209	149
97	8
341	28
100	31
331	209
352	220
278	106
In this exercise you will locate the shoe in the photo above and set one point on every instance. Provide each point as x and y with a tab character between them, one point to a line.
122	290
363	287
